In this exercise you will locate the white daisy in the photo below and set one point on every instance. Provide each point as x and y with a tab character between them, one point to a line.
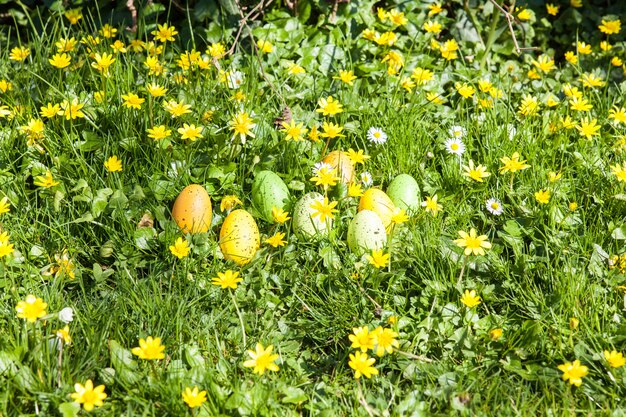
316	168
366	178
235	80
376	135
455	146
457	132
494	206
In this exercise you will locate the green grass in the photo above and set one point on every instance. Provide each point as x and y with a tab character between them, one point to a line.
547	264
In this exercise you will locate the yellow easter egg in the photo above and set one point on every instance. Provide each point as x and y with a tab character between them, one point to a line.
192	209
377	201
239	237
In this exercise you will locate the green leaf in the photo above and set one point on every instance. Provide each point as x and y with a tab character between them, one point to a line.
69	409
293	395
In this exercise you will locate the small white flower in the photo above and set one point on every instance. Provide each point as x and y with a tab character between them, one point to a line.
494	206
457	132
376	135
366	178
320	165
455	146
235	80
66	315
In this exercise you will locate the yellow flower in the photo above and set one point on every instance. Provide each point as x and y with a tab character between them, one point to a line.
449	50
45	181
50	110
5	86
19	53
103	62
276	240
387	38
592	80
610	27
552	9
164	33
5	205
330	131
324	209
64	266
191	132
119	47
567	123
64	335
618	115
529	105
397	18
176	109
525	14
314	134
513	164
72	109
470	299
108	31
181	248
295	69
431	205
216	50
542	196
605	46
326	176
434	98
264	46
262	359
155	90
346	77
361	338
355	190
228	279
362	365
588	128
242	125
572	205
580	104
329	106
159	132
574	372
378	258
113	164
193	397
544	63
89	396
476	173
154	66
465	90
99	96
31	309
571	57
385	340
435	9
149	349
583	48
614	358
407	84
421	76
60	61
370	35
619	171
293	131
399	216
432	27
66	45
279	215
472	243
229	201
73	15
553	176
394	61
495	334
132	101
616	61
357	157
576	3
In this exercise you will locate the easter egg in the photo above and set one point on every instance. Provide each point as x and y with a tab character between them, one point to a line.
192	209
344	166
377	201
366	232
239	237
404	192
269	191
304	225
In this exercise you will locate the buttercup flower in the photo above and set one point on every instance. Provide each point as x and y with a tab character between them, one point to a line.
149	349
262	359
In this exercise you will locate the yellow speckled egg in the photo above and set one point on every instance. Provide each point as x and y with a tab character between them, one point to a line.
377	201
239	237
344	166
192	209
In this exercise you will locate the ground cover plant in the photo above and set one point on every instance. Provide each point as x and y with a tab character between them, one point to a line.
193	217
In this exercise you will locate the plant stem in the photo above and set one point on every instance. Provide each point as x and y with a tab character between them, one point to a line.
462	269
491	38
243	328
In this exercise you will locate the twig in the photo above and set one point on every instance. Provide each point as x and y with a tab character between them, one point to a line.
509	20
363	401
243	22
413	356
